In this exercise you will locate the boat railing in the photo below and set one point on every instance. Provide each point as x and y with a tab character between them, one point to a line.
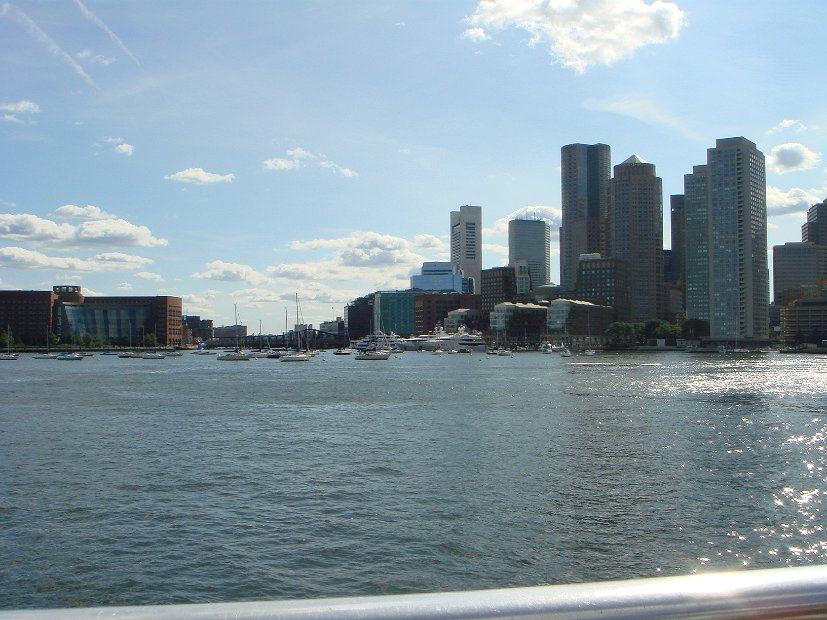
770	593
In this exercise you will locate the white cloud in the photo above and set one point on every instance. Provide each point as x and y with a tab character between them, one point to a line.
124	149
297	157
640	109
791	124
794	201
99	23
581	34
97	59
199	176
24	227
89	212
13	109
125	286
791	157
148	275
21	258
279	163
12	12
230	272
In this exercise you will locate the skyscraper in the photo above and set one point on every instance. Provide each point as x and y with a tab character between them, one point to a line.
815	229
466	242
585	172
530	240
636	224
726	242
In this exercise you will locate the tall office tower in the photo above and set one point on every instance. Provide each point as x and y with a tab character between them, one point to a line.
636	224
585	182
726	242
466	242
696	243
530	241
676	220
815	229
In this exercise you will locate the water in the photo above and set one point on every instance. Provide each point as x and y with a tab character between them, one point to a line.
126	481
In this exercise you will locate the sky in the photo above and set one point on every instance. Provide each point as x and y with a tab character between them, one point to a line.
237	154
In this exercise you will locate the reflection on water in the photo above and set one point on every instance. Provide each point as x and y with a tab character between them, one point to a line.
199	481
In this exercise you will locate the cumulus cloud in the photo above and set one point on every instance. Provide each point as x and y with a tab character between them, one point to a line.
791	157
148	275
794	201
552	215
230	272
13	110
581	34
125	286
298	157
788	124
124	149
199	176
21	258
89	212
24	227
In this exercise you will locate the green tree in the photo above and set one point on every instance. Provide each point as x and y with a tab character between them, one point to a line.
150	340
621	334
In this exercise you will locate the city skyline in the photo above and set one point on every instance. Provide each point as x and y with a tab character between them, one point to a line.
241	155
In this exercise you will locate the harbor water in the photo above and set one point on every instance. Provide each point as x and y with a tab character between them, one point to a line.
130	481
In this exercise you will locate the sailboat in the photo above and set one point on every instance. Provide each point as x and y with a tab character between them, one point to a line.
48	355
9	355
235	355
298	355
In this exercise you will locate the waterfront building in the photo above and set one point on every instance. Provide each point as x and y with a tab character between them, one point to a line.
472	318
636	225
522	277
518	323
29	315
200	329
580	324
529	241
393	311
441	276
466	243
797	265
68	314
359	317
604	281
431	309
727	279
585	173
805	320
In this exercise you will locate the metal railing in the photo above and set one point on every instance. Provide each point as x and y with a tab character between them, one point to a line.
773	593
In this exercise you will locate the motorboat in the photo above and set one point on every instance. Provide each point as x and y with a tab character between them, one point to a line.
234	356
70	357
295	356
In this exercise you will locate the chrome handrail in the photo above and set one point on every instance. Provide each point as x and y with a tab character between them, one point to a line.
770	593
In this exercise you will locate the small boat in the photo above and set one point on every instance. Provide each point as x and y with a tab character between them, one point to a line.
504	353
70	357
295	356
342	351
589	352
565	352
375	354
9	355
234	356
152	355
44	356
128	354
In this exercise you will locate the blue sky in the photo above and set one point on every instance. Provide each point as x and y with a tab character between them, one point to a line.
243	152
